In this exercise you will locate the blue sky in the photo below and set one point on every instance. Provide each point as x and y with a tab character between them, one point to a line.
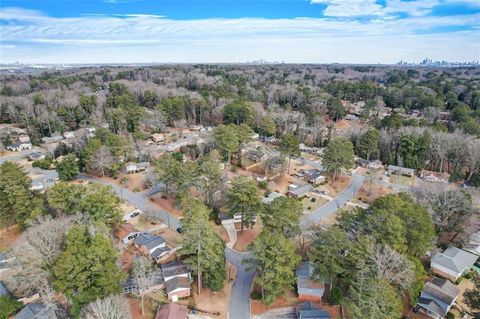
315	31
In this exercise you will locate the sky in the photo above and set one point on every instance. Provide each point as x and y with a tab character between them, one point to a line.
224	31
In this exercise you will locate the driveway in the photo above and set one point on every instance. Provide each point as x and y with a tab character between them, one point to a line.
239	304
332	206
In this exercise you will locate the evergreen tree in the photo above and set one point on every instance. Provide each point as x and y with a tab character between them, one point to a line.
65	198
202	248
87	269
273	259
282	215
68	168
102	204
472	296
336	110
17	202
227	139
369	143
289	146
338	155
244	200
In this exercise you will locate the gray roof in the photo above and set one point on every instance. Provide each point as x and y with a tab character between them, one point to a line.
271	197
309	311
400	169
37	310
300	190
306	281
148	240
158	252
455	259
174	268
438	295
313	173
175	283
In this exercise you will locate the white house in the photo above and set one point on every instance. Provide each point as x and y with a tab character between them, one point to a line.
452	263
126	233
17	147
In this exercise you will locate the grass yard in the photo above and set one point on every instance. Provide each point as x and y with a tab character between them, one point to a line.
310	206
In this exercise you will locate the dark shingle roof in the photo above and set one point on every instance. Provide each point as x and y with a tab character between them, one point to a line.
175	283
148	240
3	290
174	268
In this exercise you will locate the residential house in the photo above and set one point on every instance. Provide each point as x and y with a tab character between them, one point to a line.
175	269
68	135
37	310
437	297
255	155
22	138
452	263
308	149
376	164
177	287
314	176
17	147
392	169
136	167
148	244
52	139
299	191
271	197
126	233
434	177
157	137
36	156
362	162
268	139
134	213
309	287
172	311
308	310
156	284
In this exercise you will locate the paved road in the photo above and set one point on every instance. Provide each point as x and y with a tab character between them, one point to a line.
239	304
139	200
329	208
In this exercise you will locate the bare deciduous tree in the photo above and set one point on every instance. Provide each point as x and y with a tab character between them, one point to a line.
37	250
112	307
102	159
392	266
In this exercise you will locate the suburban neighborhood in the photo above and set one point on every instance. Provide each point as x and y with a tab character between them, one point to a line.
159	207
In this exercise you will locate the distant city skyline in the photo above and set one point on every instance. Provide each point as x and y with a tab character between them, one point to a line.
290	31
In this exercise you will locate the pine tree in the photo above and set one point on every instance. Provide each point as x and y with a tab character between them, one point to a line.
282	215
244	200
17	202
273	259
289	146
202	248
87	269
338	155
68	168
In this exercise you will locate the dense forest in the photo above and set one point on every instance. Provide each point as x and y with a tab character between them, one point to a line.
272	99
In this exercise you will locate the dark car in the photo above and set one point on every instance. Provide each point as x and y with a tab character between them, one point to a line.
179	230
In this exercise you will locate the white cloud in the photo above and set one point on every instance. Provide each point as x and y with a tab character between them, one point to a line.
358	8
139	38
